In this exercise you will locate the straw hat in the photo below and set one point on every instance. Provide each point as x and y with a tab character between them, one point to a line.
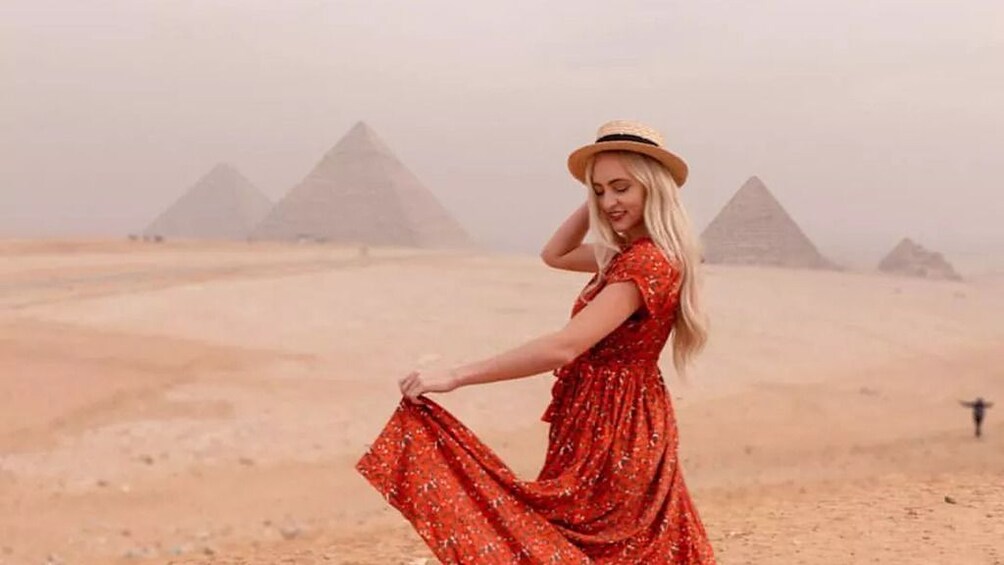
623	135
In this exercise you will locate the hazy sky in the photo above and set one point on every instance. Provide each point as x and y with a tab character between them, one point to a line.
870	121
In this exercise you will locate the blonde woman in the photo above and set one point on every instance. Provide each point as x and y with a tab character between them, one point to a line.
611	489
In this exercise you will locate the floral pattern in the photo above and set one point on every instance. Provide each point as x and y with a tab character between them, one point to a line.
611	489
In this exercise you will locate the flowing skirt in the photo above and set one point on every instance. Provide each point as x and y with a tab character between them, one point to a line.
610	491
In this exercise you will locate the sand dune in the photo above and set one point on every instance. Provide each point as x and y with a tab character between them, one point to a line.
196	403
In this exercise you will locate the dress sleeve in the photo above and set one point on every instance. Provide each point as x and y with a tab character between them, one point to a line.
656	277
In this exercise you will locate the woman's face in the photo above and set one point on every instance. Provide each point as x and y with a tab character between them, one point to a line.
620	198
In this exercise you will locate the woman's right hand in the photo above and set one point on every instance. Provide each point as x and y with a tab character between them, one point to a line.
565	250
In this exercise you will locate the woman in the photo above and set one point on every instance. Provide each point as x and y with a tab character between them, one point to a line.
610	490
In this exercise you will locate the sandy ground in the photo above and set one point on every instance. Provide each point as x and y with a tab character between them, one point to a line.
204	403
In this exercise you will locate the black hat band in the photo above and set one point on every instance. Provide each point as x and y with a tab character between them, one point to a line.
626	137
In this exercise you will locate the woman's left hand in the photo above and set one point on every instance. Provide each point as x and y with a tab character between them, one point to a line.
418	383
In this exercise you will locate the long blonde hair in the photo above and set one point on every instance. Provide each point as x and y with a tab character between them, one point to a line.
669	227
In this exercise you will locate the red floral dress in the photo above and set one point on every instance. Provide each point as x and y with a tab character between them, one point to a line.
611	489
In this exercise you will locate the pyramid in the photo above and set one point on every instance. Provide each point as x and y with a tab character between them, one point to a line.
910	259
360	193
754	229
223	204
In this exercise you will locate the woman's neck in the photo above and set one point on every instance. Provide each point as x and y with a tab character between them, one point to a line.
635	234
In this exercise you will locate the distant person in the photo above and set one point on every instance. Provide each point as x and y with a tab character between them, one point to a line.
979	407
611	489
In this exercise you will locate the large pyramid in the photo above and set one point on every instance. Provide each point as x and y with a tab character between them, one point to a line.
754	229
223	204
910	259
361	194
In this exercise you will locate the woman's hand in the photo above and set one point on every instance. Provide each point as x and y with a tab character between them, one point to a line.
418	383
566	250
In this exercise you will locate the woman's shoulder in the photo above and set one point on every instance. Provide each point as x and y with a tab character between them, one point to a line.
645	255
656	275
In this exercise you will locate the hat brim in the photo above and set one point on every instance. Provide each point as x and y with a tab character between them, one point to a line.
580	157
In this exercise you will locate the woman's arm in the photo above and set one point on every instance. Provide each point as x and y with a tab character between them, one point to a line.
565	249
609	309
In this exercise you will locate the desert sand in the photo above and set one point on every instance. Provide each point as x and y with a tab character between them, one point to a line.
205	403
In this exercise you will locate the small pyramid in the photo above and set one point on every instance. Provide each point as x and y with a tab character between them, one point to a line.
223	204
754	229
911	259
360	193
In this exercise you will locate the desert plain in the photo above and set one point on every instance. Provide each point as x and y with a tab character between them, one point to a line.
193	402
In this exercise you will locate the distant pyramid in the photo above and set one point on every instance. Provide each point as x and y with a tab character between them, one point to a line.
754	229
360	193
911	259
223	204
